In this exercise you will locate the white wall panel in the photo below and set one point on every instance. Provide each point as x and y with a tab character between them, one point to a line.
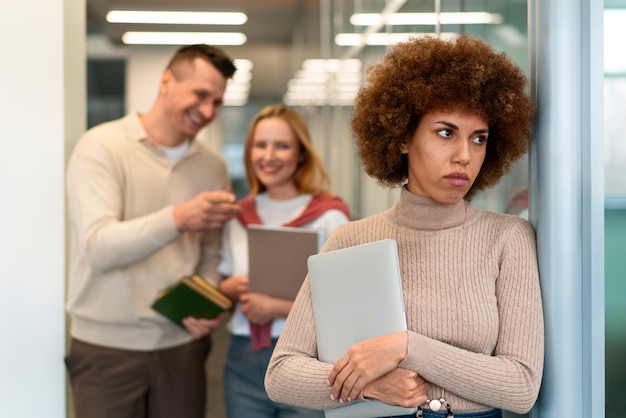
41	107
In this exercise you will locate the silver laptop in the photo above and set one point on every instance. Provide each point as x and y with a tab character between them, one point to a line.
277	257
362	286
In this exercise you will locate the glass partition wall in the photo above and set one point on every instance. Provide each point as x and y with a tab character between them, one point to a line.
356	33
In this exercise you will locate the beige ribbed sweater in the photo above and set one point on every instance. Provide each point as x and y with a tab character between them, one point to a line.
472	301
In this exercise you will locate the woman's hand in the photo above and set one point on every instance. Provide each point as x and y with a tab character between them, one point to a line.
365	362
234	287
400	387
260	308
200	327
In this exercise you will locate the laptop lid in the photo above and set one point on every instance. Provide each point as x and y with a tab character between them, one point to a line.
357	294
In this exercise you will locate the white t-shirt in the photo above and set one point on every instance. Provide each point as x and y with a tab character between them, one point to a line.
235	244
174	153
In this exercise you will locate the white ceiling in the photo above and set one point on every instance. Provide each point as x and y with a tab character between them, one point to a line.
280	33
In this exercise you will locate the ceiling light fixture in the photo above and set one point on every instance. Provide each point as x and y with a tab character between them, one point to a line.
392	7
382	39
238	87
444	18
614	31
325	82
180	18
183	38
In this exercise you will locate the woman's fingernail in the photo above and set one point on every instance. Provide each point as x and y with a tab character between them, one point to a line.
332	397
328	382
349	399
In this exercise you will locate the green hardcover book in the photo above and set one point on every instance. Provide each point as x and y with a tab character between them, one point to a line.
191	296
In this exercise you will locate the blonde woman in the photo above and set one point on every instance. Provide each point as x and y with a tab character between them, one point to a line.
288	187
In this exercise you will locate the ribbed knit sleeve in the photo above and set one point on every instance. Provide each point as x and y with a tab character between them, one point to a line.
473	306
294	375
96	187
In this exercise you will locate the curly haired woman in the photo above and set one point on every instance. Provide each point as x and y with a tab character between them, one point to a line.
446	120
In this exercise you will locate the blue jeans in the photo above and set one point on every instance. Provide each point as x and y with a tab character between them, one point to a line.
492	413
244	375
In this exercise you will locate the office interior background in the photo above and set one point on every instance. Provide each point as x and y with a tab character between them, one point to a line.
313	55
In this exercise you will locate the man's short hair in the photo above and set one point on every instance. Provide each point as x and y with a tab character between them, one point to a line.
215	56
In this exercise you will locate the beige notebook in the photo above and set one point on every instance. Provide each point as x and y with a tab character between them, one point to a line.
357	294
278	256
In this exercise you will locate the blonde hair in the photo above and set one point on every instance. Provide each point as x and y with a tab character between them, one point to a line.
310	176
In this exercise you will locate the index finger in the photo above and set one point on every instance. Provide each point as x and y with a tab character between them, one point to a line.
337	368
209	323
218	196
225	207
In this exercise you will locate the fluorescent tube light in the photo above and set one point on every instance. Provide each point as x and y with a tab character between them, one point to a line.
243	65
383	39
235	101
238	87
242	76
445	18
312	76
332	65
324	82
181	18
184	38
234	87
614	31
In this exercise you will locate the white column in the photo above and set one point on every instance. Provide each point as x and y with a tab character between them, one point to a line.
42	107
567	202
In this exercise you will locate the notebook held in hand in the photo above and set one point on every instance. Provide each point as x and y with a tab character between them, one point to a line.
191	296
278	258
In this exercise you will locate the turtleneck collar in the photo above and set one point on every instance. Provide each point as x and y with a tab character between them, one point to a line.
420	212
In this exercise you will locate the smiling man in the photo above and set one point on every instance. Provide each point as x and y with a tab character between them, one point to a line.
147	203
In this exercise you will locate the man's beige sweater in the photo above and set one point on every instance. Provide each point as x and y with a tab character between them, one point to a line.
472	300
124	244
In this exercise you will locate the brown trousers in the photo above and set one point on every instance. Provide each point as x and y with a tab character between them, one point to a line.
113	383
